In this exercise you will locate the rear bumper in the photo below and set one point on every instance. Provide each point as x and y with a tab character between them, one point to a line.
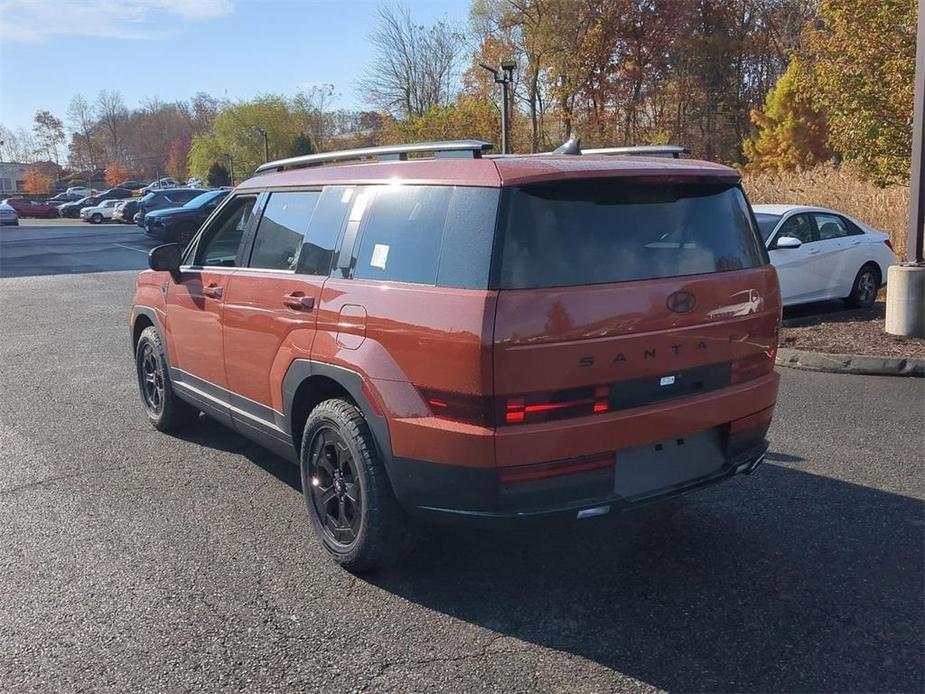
562	467
473	496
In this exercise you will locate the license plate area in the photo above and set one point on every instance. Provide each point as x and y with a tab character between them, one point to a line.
675	462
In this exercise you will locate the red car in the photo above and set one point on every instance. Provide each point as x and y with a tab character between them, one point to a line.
31	208
471	338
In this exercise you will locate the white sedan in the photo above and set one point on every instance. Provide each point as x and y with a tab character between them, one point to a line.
822	254
101	212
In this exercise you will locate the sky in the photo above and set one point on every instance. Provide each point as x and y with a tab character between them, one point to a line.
51	50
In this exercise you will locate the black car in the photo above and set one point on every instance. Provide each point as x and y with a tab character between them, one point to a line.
62	198
162	199
179	224
72	209
132	185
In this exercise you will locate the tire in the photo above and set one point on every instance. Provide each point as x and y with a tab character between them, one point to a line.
349	499
164	409
96	218
865	287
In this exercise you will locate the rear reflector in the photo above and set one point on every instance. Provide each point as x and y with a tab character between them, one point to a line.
531	473
753	421
753	366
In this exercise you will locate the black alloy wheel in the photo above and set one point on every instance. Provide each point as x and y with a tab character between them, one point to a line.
151	380
335	487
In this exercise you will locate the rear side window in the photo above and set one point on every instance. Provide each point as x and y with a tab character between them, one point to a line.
595	232
282	228
402	234
436	235
323	229
830	227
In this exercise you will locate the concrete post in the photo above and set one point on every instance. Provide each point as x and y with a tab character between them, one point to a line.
905	288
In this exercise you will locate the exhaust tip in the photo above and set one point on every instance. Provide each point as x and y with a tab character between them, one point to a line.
749	467
592	512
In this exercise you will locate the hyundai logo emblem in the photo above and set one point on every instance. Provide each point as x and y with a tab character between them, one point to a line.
681	302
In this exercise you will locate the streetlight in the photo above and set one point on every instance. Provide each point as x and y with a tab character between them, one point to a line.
231	166
508	67
266	143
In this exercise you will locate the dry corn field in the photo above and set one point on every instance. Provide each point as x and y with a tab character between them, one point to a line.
829	186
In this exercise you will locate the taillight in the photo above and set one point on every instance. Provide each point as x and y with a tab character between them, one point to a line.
460	407
542	407
889	244
753	366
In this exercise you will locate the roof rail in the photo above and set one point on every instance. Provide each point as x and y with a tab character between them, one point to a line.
671	151
448	148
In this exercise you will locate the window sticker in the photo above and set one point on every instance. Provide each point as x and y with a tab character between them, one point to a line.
380	256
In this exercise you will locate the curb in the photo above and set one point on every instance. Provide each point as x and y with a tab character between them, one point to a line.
850	363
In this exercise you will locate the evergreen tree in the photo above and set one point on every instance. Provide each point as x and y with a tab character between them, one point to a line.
791	132
303	145
218	175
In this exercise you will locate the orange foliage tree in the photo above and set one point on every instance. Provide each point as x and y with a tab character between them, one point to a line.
116	173
37	183
176	164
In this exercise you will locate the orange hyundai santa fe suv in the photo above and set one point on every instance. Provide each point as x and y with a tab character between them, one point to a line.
431	331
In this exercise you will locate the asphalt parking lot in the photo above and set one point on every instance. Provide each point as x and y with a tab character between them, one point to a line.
134	561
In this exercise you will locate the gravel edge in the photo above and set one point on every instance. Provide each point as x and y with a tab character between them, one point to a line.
850	363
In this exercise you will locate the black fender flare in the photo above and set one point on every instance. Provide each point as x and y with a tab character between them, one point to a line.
150	314
352	382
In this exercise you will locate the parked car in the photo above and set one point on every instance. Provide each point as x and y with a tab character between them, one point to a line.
160	184
162	199
8	216
125	210
131	185
179	224
99	213
195	183
823	254
62	198
467	338
31	208
82	191
72	209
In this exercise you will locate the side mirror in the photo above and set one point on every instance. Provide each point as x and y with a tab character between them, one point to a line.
165	258
788	242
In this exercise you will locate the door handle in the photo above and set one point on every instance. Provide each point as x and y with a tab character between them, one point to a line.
213	291
813	253
297	301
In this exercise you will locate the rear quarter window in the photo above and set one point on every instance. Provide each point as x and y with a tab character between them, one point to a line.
596	232
435	235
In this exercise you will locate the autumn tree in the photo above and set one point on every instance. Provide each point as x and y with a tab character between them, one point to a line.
37	183
82	150
415	65
116	173
112	115
49	135
176	165
862	58
791	133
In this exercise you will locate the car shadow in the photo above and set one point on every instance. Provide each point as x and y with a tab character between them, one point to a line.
833	311
780	581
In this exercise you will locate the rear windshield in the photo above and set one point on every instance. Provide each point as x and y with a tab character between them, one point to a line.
595	232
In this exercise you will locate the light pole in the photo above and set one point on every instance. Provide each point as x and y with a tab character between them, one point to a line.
905	288
266	144
507	67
